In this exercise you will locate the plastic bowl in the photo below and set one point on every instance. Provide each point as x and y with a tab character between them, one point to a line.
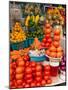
37	58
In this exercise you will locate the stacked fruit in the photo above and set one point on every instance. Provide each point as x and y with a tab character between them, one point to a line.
55	50
24	74
17	34
47	40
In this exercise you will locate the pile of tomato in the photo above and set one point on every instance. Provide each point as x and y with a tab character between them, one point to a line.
25	73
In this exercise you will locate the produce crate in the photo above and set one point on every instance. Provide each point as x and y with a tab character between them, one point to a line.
19	45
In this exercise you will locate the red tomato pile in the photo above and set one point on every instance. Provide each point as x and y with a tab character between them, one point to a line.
24	74
47	40
55	50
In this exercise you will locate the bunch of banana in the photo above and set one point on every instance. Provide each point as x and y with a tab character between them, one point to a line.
33	18
17	34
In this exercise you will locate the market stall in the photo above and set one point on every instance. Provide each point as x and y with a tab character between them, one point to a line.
37	45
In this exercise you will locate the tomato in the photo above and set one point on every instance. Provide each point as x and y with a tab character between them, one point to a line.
19	59
59	54
33	84
48	52
39	73
11	71
48	25
53	54
52	49
23	84
27	63
29	80
38	84
28	70
49	81
38	78
33	69
11	77
56	43
21	63
56	37
27	86
44	40
33	64
48	36
42	44
47	67
28	76
47	73
19	69
19	76
19	82
49	40
11	83
47	45
14	65
38	68
11	66
48	30
26	58
43	82
57	32
59	49
46	77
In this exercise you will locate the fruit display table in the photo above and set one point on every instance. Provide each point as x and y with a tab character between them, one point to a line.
37	45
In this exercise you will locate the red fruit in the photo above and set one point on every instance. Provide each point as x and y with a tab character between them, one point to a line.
28	70
11	83
59	49
57	32
47	45
47	73
19	69
38	78
27	63
48	25
27	86
44	40
19	59
49	40
33	64
28	76
47	67
33	69
59	54
42	44
26	58
48	52
53	54
21	63
43	82
19	76
47	36
56	43
23	84
29	80
52	49
39	73
38	68
49	81
19	82
38	84
46	77
11	71
48	30
33	84
56	37
14	65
